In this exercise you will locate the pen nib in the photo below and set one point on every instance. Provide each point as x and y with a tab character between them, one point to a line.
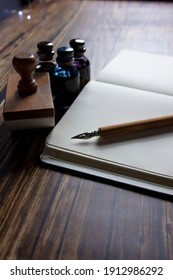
85	135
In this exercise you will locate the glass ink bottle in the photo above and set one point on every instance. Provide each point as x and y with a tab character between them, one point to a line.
81	61
66	79
45	63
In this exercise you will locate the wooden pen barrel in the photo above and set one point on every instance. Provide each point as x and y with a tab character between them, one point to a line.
136	126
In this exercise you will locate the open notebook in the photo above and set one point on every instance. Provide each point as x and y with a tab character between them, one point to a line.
131	87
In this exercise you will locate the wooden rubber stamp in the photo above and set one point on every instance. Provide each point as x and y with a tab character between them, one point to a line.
28	102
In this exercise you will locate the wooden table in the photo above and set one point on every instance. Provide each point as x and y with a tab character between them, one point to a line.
52	213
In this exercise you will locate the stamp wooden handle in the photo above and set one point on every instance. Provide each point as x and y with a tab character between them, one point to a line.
24	64
136	126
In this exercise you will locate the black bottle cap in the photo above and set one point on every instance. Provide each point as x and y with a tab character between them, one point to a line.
45	50
65	54
78	44
45	46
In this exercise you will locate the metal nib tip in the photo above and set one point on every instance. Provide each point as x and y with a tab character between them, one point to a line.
85	135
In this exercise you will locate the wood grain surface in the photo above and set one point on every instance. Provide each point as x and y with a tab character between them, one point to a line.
52	213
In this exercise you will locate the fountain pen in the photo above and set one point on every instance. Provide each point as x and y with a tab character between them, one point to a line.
125	129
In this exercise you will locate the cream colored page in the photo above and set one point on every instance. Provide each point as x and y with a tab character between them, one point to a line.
103	104
139	70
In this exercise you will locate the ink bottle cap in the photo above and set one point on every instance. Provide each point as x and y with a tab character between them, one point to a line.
65	54
45	50
45	46
78	45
